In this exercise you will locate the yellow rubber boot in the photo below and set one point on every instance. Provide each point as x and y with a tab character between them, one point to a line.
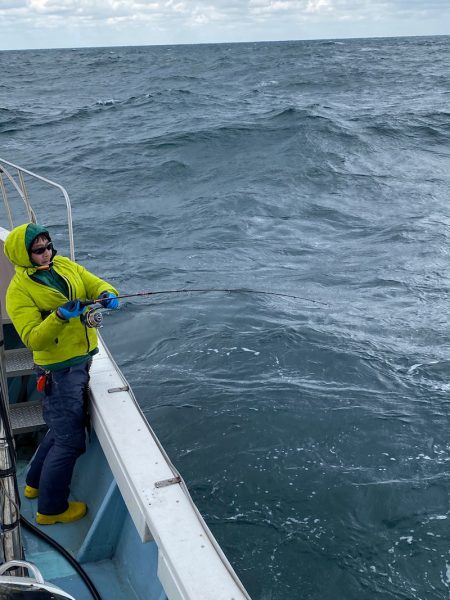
76	511
30	492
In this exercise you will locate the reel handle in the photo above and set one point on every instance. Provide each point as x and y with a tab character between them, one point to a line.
92	318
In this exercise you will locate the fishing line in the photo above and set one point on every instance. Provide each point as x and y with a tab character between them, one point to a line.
200	290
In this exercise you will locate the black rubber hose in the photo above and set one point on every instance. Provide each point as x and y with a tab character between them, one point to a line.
75	564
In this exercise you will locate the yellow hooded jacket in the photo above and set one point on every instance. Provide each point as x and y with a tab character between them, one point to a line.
32	305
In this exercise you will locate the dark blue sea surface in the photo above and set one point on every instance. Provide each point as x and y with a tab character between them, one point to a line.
314	435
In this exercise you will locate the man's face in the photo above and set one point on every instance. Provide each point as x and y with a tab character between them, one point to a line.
44	259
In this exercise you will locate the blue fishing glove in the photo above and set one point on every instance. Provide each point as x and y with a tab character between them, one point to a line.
69	310
110	300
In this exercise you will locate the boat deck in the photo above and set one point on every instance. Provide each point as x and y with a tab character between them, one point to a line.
105	541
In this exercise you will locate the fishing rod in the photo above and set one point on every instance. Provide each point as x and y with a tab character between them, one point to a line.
93	318
188	290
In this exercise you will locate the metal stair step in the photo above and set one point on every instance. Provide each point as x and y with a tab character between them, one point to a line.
19	362
26	416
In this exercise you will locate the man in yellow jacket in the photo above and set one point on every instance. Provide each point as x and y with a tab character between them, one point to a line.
43	302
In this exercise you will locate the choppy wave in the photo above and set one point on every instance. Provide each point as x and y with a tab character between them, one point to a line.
313	426
12	119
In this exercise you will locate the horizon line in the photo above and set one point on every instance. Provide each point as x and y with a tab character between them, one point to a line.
374	37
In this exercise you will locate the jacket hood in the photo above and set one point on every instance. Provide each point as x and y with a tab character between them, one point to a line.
19	241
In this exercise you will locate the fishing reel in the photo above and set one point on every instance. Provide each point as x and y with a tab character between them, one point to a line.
92	317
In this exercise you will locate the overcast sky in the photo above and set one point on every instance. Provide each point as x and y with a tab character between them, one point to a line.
74	23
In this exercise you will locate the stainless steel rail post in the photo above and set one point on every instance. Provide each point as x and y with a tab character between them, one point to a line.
23	193
5	200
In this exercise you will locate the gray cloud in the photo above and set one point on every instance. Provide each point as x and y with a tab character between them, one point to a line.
9	4
135	8
169	21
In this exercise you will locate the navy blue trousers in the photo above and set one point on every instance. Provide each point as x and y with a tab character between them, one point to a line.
64	413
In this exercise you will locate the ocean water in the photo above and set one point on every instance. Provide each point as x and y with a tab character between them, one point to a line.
313	433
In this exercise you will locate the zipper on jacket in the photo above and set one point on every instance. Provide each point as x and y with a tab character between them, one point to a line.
87	338
69	287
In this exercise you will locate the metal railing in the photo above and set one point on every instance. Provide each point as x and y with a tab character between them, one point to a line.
12	178
16	176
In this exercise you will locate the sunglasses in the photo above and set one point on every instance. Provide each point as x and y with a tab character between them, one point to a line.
42	249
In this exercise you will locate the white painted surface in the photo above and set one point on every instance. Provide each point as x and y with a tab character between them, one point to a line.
191	566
